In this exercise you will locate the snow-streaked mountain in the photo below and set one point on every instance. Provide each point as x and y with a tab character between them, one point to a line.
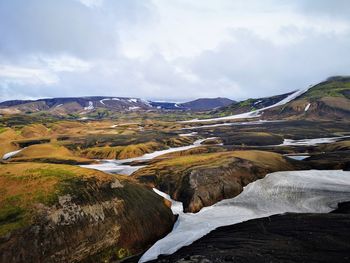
329	100
88	104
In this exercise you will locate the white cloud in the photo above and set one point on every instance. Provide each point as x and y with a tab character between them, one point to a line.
26	76
65	63
91	3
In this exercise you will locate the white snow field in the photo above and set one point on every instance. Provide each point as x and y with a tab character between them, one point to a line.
310	191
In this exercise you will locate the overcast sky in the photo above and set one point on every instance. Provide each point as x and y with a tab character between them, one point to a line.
170	49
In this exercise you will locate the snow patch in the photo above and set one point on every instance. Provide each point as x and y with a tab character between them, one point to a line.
90	107
188	134
307	107
315	141
11	154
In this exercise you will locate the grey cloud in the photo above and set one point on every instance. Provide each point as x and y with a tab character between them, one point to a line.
67	26
333	8
35	32
262	68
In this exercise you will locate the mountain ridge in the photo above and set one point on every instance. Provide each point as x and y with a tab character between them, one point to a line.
89	103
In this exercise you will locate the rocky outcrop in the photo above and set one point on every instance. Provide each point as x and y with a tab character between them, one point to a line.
279	238
71	214
204	179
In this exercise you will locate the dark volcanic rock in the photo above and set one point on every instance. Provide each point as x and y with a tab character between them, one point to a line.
279	238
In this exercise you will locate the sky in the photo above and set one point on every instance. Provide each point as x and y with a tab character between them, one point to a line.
173	50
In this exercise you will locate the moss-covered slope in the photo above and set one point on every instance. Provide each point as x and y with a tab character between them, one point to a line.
62	213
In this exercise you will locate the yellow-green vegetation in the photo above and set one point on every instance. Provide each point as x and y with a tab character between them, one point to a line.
125	146
24	185
121	152
69	127
337	102
252	138
332	88
48	153
34	130
98	215
337	146
192	151
7	136
269	160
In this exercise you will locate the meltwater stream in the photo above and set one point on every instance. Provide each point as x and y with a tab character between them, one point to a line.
310	191
121	166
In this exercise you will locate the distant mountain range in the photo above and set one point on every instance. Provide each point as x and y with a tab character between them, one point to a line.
83	105
327	100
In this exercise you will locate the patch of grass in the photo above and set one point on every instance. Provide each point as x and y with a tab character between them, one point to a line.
3	129
48	153
22	185
327	89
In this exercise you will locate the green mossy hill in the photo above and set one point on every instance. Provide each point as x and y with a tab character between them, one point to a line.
121	152
112	151
328	100
75	214
34	131
200	180
48	153
332	87
248	105
252	138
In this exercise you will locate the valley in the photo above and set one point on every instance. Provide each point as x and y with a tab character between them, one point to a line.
128	179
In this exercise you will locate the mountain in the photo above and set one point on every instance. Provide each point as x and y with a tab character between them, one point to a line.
250	105
82	105
163	105
207	103
329	99
201	104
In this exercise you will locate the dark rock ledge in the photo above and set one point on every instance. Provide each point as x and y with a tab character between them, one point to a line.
280	238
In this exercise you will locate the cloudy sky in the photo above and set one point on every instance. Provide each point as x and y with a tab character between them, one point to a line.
170	49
